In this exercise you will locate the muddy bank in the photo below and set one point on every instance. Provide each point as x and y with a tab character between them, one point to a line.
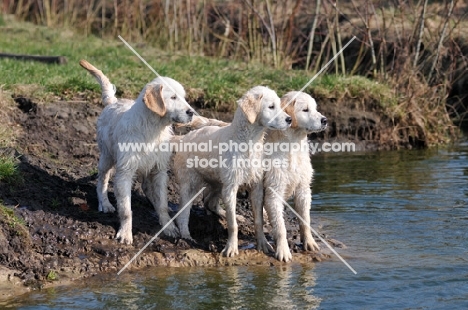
51	232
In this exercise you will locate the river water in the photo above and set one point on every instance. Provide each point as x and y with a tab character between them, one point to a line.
403	216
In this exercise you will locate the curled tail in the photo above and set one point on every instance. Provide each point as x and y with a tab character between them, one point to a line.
107	88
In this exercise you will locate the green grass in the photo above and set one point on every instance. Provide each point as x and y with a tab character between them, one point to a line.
219	81
8	216
14	224
356	87
52	276
9	170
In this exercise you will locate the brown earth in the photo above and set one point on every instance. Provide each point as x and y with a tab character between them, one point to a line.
58	234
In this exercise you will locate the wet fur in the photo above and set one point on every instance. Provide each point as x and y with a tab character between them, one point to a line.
147	119
256	108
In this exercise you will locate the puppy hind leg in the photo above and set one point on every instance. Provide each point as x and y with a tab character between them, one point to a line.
257	210
122	188
104	173
186	194
155	188
211	202
302	202
275	210
229	198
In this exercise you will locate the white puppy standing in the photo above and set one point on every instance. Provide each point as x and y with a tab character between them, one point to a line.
146	120
293	179
256	109
291	175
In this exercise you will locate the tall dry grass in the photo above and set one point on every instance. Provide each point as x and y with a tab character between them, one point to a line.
421	44
291	33
300	34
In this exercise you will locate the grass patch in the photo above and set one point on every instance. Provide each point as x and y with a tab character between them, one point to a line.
355	87
9	170
55	203
8	216
218	83
12	226
52	276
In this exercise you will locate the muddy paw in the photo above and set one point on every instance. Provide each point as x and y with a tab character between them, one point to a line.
230	250
309	244
124	236
283	254
186	235
171	231
106	208
264	246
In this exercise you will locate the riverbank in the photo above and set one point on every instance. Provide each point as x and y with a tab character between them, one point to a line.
50	229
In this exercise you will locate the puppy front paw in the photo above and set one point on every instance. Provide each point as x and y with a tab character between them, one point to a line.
230	250
124	236
309	244
283	254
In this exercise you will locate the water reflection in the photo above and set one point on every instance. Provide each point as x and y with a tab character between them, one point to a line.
288	277
290	286
286	287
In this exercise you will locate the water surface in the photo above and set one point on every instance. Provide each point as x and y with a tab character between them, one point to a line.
403	216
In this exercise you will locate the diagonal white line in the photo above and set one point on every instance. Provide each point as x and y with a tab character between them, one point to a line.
314	77
154	71
160	231
308	225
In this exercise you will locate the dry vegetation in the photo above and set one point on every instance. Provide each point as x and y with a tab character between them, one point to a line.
419	48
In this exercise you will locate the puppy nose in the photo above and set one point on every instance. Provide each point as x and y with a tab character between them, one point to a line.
189	112
323	121
289	120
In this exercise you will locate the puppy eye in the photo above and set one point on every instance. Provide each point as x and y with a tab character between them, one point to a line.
305	110
174	97
272	107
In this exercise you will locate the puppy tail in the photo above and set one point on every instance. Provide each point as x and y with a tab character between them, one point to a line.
107	88
200	122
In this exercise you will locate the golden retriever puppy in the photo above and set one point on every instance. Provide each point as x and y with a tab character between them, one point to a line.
128	135
233	159
292	178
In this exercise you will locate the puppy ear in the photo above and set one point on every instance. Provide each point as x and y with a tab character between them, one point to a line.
250	105
153	99
290	110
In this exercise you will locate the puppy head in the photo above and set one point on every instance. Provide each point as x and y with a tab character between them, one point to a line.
165	97
303	110
262	105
